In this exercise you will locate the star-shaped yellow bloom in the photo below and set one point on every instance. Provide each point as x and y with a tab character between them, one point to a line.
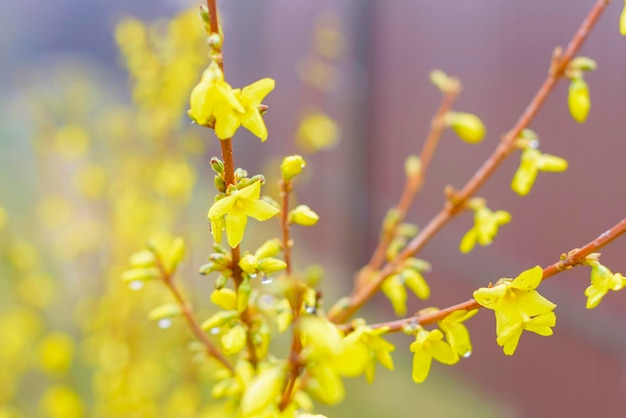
429	345
486	224
517	306
362	348
231	213
456	333
250	97
602	280
532	162
212	96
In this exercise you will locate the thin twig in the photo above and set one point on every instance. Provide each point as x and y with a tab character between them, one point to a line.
568	261
413	184
341	312
185	308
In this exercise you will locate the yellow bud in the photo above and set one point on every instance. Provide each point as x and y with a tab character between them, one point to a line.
467	126
167	310
234	340
218	319
261	392
225	298
141	274
271	265
396	293
578	100
416	282
303	215
412	166
622	21
176	255
292	166
142	258
583	64
248	263
269	249
441	80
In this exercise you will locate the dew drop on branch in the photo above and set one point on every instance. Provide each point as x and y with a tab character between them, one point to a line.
467	354
214	330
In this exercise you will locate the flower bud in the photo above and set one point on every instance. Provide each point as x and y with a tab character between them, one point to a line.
168	310
412	166
217	165
441	80
583	64
303	215
243	296
578	100
176	254
248	263
271	265
622	21
224	298
292	166
218	319
269	249
467	126
234	340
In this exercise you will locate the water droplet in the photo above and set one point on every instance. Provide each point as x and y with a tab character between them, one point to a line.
467	354
266	301
534	144
135	285
266	279
214	330
164	323
253	275
310	309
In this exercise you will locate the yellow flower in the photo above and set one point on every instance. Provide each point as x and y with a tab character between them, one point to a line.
362	348
456	333
532	162
249	115
231	212
211	96
429	345
602	280
517	306
485	227
509	333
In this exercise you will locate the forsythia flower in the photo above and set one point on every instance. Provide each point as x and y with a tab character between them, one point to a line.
362	348
602	280
213	101
517	307
250	117
532	162
211	96
485	227
231	212
429	345
456	333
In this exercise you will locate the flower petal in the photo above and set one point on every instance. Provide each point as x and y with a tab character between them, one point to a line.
259	210
528	279
236	221
221	207
421	366
253	94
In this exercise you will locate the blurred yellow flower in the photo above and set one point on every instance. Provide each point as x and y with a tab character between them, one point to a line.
486	224
602	280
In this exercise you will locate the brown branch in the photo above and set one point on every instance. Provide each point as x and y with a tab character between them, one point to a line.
560	61
568	261
185	308
229	178
413	185
285	190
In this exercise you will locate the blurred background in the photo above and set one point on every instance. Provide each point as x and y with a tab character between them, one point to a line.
97	156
